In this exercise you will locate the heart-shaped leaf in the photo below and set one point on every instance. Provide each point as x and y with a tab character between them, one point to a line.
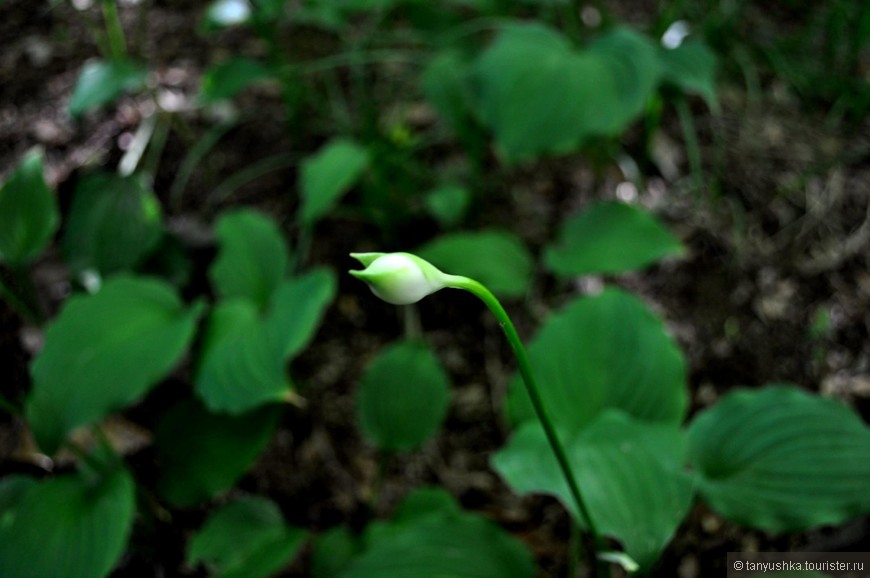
498	259
101	82
203	454
28	212
241	368
328	175
114	222
634	70
245	538
253	257
609	238
297	308
104	352
72	525
607	351
782	460
446	83
539	95
440	544
448	204
692	67
403	397
245	351
532	92
628	472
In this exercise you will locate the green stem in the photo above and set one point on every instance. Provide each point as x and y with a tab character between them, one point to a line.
693	149
507	326
114	30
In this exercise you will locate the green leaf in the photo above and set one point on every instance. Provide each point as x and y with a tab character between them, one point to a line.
440	545
101	82
245	538
539	95
524	78
782	460
634	71
104	352
297	308
692	68
70	526
609	238
328	175
403	397
333	551
629	473
203	454
607	351
224	80
498	259
28	212
446	82
114	222
253	257
448	204
241	368
423	502
244	352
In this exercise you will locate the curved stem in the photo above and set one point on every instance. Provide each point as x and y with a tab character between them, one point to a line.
507	326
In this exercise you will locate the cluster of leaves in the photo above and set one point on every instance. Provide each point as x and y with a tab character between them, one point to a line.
613	377
108	349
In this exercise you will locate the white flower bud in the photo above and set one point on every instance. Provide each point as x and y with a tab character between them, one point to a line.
399	278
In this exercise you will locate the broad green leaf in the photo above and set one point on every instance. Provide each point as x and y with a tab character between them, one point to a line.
297	308
403	397
634	71
441	545
609	238
241	367
245	538
782	460
446	84
539	95
203	454
498	259
692	68
448	204
28	212
12	490
224	80
328	175
333	551
628	472
101	82
114	222
104	352
532	92
252	259
71	525
607	351
423	502
245	351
